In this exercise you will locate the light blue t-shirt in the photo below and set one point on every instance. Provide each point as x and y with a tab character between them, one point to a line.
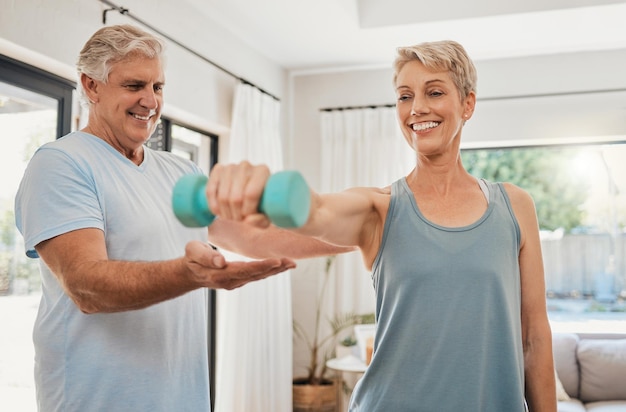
448	313
153	359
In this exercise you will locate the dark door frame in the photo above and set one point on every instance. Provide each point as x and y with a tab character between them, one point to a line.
39	81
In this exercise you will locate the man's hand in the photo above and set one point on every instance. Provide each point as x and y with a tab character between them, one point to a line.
210	269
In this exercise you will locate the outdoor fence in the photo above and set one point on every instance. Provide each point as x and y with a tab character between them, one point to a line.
580	265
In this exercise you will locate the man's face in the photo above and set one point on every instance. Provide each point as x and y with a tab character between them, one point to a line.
129	105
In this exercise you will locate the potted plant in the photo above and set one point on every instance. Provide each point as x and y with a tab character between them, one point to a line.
346	346
316	392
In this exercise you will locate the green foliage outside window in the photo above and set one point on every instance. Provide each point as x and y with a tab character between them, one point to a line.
544	173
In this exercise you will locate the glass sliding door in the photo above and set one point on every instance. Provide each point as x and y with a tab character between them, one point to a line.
35	108
27	120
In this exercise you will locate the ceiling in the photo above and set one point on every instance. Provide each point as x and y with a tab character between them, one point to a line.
334	34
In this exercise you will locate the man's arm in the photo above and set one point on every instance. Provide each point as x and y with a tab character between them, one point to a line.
96	284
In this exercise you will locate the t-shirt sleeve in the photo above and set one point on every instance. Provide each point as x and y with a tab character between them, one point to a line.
56	196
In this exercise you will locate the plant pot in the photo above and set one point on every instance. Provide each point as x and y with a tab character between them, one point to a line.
314	398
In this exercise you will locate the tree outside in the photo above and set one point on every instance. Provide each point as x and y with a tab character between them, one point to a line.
543	172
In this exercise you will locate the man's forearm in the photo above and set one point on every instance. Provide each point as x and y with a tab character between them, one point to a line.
115	286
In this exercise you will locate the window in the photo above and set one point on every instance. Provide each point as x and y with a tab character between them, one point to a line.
35	108
186	142
580	197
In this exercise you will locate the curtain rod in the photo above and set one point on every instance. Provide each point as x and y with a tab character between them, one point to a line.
339	109
126	12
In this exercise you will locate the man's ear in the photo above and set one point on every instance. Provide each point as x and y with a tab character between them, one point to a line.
90	87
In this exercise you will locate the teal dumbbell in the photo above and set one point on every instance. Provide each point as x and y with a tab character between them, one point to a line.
286	200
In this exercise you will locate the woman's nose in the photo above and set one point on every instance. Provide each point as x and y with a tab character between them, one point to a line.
419	106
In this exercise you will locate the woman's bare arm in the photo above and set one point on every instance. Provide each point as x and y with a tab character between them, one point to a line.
347	219
536	332
259	243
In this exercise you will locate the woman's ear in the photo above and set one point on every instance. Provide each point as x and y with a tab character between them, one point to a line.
90	87
469	104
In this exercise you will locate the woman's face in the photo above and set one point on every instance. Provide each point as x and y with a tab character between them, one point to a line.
429	108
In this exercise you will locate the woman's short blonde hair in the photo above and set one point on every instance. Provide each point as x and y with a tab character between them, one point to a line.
445	55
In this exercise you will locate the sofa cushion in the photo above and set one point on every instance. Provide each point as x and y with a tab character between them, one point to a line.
602	369
561	395
573	405
606	406
564	348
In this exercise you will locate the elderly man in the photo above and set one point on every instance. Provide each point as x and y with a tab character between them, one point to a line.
122	324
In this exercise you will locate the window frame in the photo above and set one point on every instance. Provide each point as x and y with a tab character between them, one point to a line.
39	81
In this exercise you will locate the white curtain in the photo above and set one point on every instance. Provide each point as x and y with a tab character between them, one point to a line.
360	147
254	326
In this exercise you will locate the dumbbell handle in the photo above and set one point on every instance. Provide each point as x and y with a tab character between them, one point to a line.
286	200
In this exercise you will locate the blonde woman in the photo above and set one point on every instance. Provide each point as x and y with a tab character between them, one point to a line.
456	261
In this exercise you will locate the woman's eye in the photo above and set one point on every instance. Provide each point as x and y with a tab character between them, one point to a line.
436	93
403	97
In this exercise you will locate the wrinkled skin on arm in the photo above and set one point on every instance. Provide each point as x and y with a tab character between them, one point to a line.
98	285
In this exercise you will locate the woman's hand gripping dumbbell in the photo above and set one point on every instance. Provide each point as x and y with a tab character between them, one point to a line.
285	201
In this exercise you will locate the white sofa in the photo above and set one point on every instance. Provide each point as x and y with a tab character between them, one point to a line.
592	371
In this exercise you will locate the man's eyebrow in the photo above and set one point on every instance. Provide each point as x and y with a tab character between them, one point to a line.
140	82
134	81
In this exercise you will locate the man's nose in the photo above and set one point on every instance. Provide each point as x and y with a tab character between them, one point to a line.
149	98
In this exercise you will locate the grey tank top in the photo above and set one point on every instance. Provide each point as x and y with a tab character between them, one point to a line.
448	313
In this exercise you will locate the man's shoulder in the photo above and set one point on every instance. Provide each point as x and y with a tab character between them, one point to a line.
74	142
171	159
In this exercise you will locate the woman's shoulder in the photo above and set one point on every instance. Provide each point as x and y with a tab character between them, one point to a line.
517	195
523	207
